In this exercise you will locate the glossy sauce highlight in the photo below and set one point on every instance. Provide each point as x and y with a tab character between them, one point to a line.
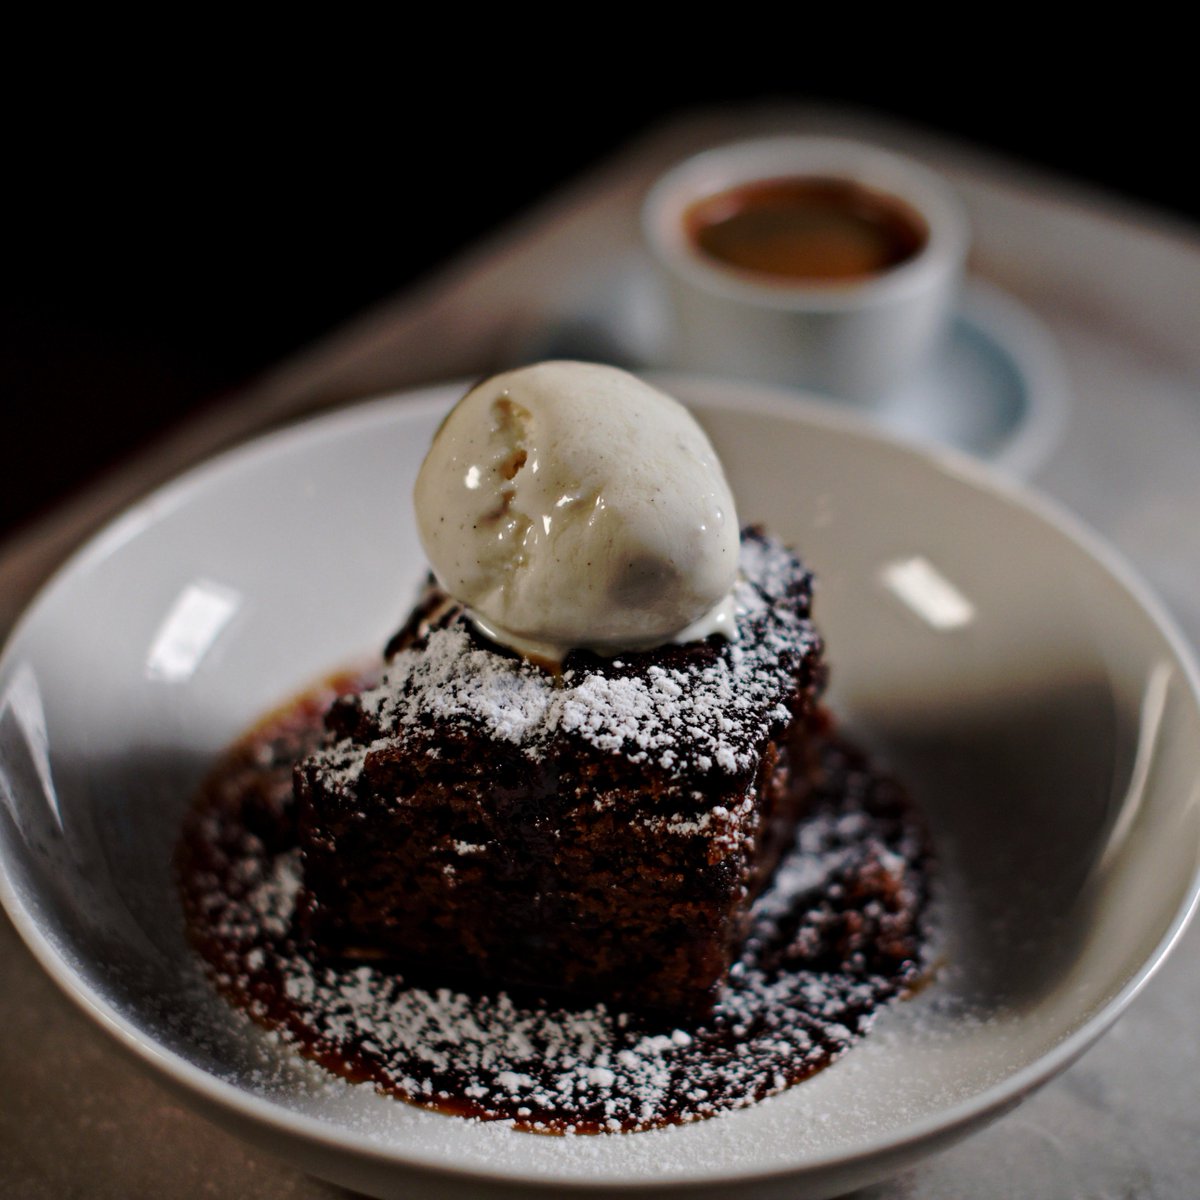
806	230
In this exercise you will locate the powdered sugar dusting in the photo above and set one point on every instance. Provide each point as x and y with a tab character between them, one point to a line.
714	715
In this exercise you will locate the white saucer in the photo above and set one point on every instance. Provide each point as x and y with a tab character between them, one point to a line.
996	389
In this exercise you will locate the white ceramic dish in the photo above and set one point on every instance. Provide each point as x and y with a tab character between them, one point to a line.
1044	711
847	338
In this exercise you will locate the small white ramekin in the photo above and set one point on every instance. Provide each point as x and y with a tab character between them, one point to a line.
854	340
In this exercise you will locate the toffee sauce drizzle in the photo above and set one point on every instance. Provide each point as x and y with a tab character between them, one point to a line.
841	931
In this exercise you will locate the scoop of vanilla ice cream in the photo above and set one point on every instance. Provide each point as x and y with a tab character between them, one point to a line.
570	505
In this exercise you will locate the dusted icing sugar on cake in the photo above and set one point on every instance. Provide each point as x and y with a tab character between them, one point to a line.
705	711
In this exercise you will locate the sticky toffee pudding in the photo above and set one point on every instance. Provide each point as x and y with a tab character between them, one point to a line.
630	879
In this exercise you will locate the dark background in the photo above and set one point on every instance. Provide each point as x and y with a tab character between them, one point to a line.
174	229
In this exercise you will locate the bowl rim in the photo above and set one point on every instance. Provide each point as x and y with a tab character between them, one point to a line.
703	393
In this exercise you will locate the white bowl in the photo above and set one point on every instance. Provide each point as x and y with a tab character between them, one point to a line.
1034	696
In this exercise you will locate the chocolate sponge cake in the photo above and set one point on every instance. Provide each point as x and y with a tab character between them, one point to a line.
599	832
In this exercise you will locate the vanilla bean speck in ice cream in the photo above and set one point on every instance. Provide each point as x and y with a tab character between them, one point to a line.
570	505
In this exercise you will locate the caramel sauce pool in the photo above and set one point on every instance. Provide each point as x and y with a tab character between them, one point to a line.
806	230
